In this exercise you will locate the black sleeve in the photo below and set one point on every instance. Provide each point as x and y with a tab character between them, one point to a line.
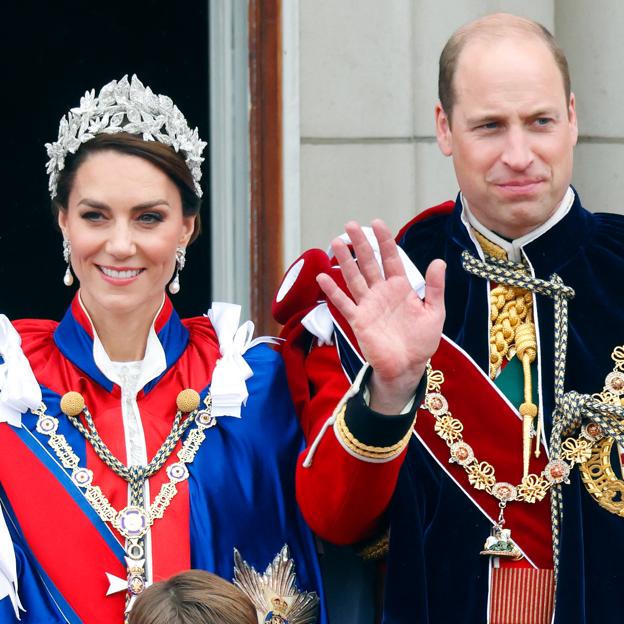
375	429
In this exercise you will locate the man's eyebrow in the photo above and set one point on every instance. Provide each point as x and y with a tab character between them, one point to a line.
485	117
544	112
481	118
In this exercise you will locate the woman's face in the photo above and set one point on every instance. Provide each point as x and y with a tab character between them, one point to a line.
124	221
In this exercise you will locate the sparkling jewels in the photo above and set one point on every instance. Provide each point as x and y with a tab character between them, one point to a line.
504	491
592	431
436	403
68	278
125	106
557	471
461	453
614	382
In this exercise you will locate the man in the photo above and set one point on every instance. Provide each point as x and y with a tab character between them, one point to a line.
530	278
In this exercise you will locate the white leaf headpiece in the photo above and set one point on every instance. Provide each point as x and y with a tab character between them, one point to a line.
125	106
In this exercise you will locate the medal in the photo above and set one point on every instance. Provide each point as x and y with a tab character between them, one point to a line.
499	543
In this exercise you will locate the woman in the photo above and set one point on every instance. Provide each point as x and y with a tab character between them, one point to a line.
136	445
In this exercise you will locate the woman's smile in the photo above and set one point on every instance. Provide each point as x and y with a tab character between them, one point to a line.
119	275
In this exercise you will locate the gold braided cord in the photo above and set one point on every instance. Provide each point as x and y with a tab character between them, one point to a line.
505	272
489	248
366	450
512	332
510	308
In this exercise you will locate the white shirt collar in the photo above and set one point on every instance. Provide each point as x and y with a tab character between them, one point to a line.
154	361
514	247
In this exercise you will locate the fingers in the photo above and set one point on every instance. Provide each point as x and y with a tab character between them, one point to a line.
355	281
367	262
391	261
359	276
434	290
343	304
364	274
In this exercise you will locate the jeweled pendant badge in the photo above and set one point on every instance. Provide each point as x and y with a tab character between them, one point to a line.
274	593
499	543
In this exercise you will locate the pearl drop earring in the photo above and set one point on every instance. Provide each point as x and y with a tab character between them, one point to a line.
68	278
174	286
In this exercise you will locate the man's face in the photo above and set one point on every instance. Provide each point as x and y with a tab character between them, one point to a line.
511	134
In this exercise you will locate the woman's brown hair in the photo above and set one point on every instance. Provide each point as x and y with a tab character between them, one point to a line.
193	597
170	162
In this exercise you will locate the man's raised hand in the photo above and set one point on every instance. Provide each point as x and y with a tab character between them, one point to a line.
397	331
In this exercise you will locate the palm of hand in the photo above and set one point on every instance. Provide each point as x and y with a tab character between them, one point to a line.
396	331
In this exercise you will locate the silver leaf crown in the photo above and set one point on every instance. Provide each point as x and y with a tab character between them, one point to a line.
125	106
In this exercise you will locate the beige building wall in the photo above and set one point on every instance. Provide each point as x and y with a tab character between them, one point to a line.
367	87
590	33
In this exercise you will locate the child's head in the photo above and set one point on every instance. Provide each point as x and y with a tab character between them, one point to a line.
193	597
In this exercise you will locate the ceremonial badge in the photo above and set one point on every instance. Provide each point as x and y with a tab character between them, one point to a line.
274	594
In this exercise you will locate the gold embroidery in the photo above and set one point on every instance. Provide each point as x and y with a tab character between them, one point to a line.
597	473
366	450
600	478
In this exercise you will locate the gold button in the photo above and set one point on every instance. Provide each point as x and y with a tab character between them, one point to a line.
72	404
188	400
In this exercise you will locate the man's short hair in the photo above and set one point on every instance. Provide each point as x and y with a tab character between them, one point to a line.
490	27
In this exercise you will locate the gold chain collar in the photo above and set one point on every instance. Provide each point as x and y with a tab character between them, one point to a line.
133	522
482	475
